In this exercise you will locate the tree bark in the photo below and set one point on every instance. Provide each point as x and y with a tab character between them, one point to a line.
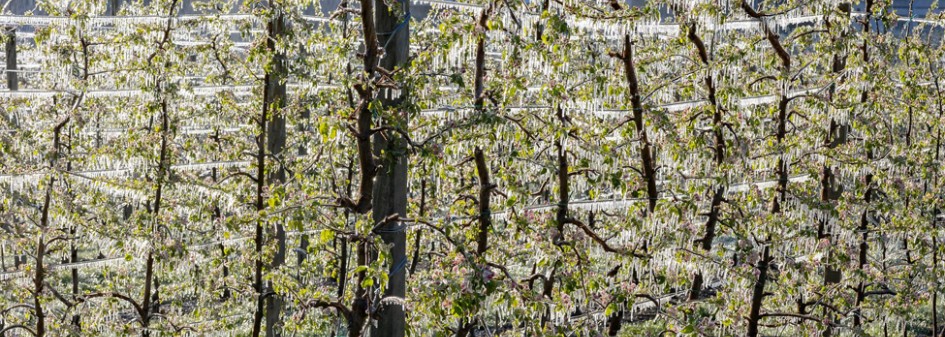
485	212
636	102
831	190
868	181
73	258
418	238
758	292
646	150
366	164
719	150
936	211
149	308
260	206
150	303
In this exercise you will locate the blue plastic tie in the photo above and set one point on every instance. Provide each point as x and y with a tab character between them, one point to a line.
399	266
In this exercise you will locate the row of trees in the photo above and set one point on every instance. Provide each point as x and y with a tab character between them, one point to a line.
487	168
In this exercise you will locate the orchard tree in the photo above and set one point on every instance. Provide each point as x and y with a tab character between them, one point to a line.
470	168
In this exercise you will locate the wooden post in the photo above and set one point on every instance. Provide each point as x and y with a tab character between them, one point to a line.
275	99
12	83
112	7
390	190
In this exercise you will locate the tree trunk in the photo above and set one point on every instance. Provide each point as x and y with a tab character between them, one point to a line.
148	295
935	214
39	278
636	102
867	198
366	163
831	191
418	238
73	258
485	213
758	294
719	150
936	211
646	149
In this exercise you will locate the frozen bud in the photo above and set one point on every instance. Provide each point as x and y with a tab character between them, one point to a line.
579	236
554	234
487	274
436	149
743	243
752	258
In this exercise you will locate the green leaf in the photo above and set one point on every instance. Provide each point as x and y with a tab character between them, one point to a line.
323	128
326	236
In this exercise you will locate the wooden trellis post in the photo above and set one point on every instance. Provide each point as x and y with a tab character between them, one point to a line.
112	7
10	48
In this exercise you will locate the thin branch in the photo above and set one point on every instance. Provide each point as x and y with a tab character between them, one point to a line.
603	243
131	301
17	326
